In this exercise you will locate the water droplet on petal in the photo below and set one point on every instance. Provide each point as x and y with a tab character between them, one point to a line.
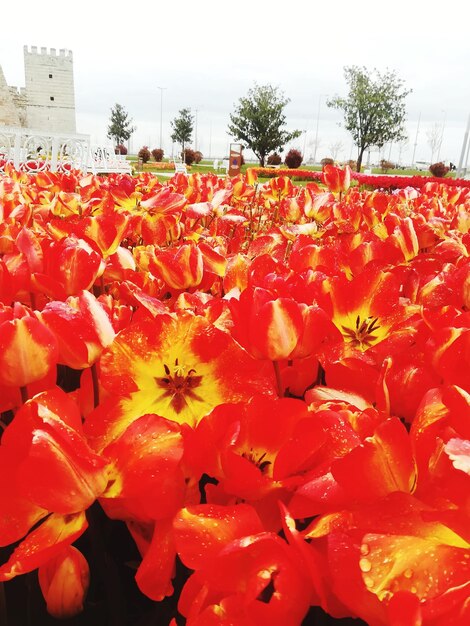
413	590
365	565
369	581
408	573
365	549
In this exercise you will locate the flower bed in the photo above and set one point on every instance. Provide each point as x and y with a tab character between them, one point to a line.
158	165
299	174
382	181
238	403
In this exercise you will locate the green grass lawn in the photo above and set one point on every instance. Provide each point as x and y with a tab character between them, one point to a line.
207	166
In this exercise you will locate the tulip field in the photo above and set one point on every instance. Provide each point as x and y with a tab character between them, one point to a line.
227	402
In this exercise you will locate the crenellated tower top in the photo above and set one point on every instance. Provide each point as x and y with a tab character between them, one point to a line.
52	52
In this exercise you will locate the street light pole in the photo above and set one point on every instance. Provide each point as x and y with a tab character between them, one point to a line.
462	163
210	139
416	141
161	115
318	122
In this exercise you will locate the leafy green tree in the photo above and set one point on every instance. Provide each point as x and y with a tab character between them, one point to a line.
374	110
182	127
120	127
259	119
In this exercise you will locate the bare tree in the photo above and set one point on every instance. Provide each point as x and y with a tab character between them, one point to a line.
402	145
334	149
434	136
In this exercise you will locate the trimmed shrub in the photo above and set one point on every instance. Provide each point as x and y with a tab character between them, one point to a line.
197	156
439	169
120	149
386	165
274	159
144	154
293	159
352	164
157	154
189	156
327	161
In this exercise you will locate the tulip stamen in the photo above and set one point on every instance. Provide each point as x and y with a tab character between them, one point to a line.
258	461
363	335
179	385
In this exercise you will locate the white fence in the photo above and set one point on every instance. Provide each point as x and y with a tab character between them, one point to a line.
36	151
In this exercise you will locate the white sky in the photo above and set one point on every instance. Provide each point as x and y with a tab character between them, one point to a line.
207	54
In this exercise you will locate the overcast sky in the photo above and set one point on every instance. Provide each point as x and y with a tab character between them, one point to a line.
206	54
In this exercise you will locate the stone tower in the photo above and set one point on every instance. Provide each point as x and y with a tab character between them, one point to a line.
49	89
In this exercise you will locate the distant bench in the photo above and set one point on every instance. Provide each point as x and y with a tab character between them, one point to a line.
104	161
180	168
222	165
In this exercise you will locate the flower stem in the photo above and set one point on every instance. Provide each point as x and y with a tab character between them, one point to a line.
3	606
96	386
106	567
24	394
320	379
32	297
277	372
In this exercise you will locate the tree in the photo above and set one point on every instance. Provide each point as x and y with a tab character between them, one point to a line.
335	148
434	136
402	146
120	127
374	110
258	121
182	128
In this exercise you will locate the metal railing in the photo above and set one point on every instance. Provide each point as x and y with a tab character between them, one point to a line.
36	151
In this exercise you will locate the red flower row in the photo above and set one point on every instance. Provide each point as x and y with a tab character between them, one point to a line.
377	181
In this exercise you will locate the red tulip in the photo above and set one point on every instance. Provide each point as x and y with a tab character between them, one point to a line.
275	328
73	264
64	581
28	349
82	327
336	179
53	477
180	269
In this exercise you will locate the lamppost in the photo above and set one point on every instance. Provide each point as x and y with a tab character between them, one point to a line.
416	141
463	159
210	139
322	95
305	145
161	114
